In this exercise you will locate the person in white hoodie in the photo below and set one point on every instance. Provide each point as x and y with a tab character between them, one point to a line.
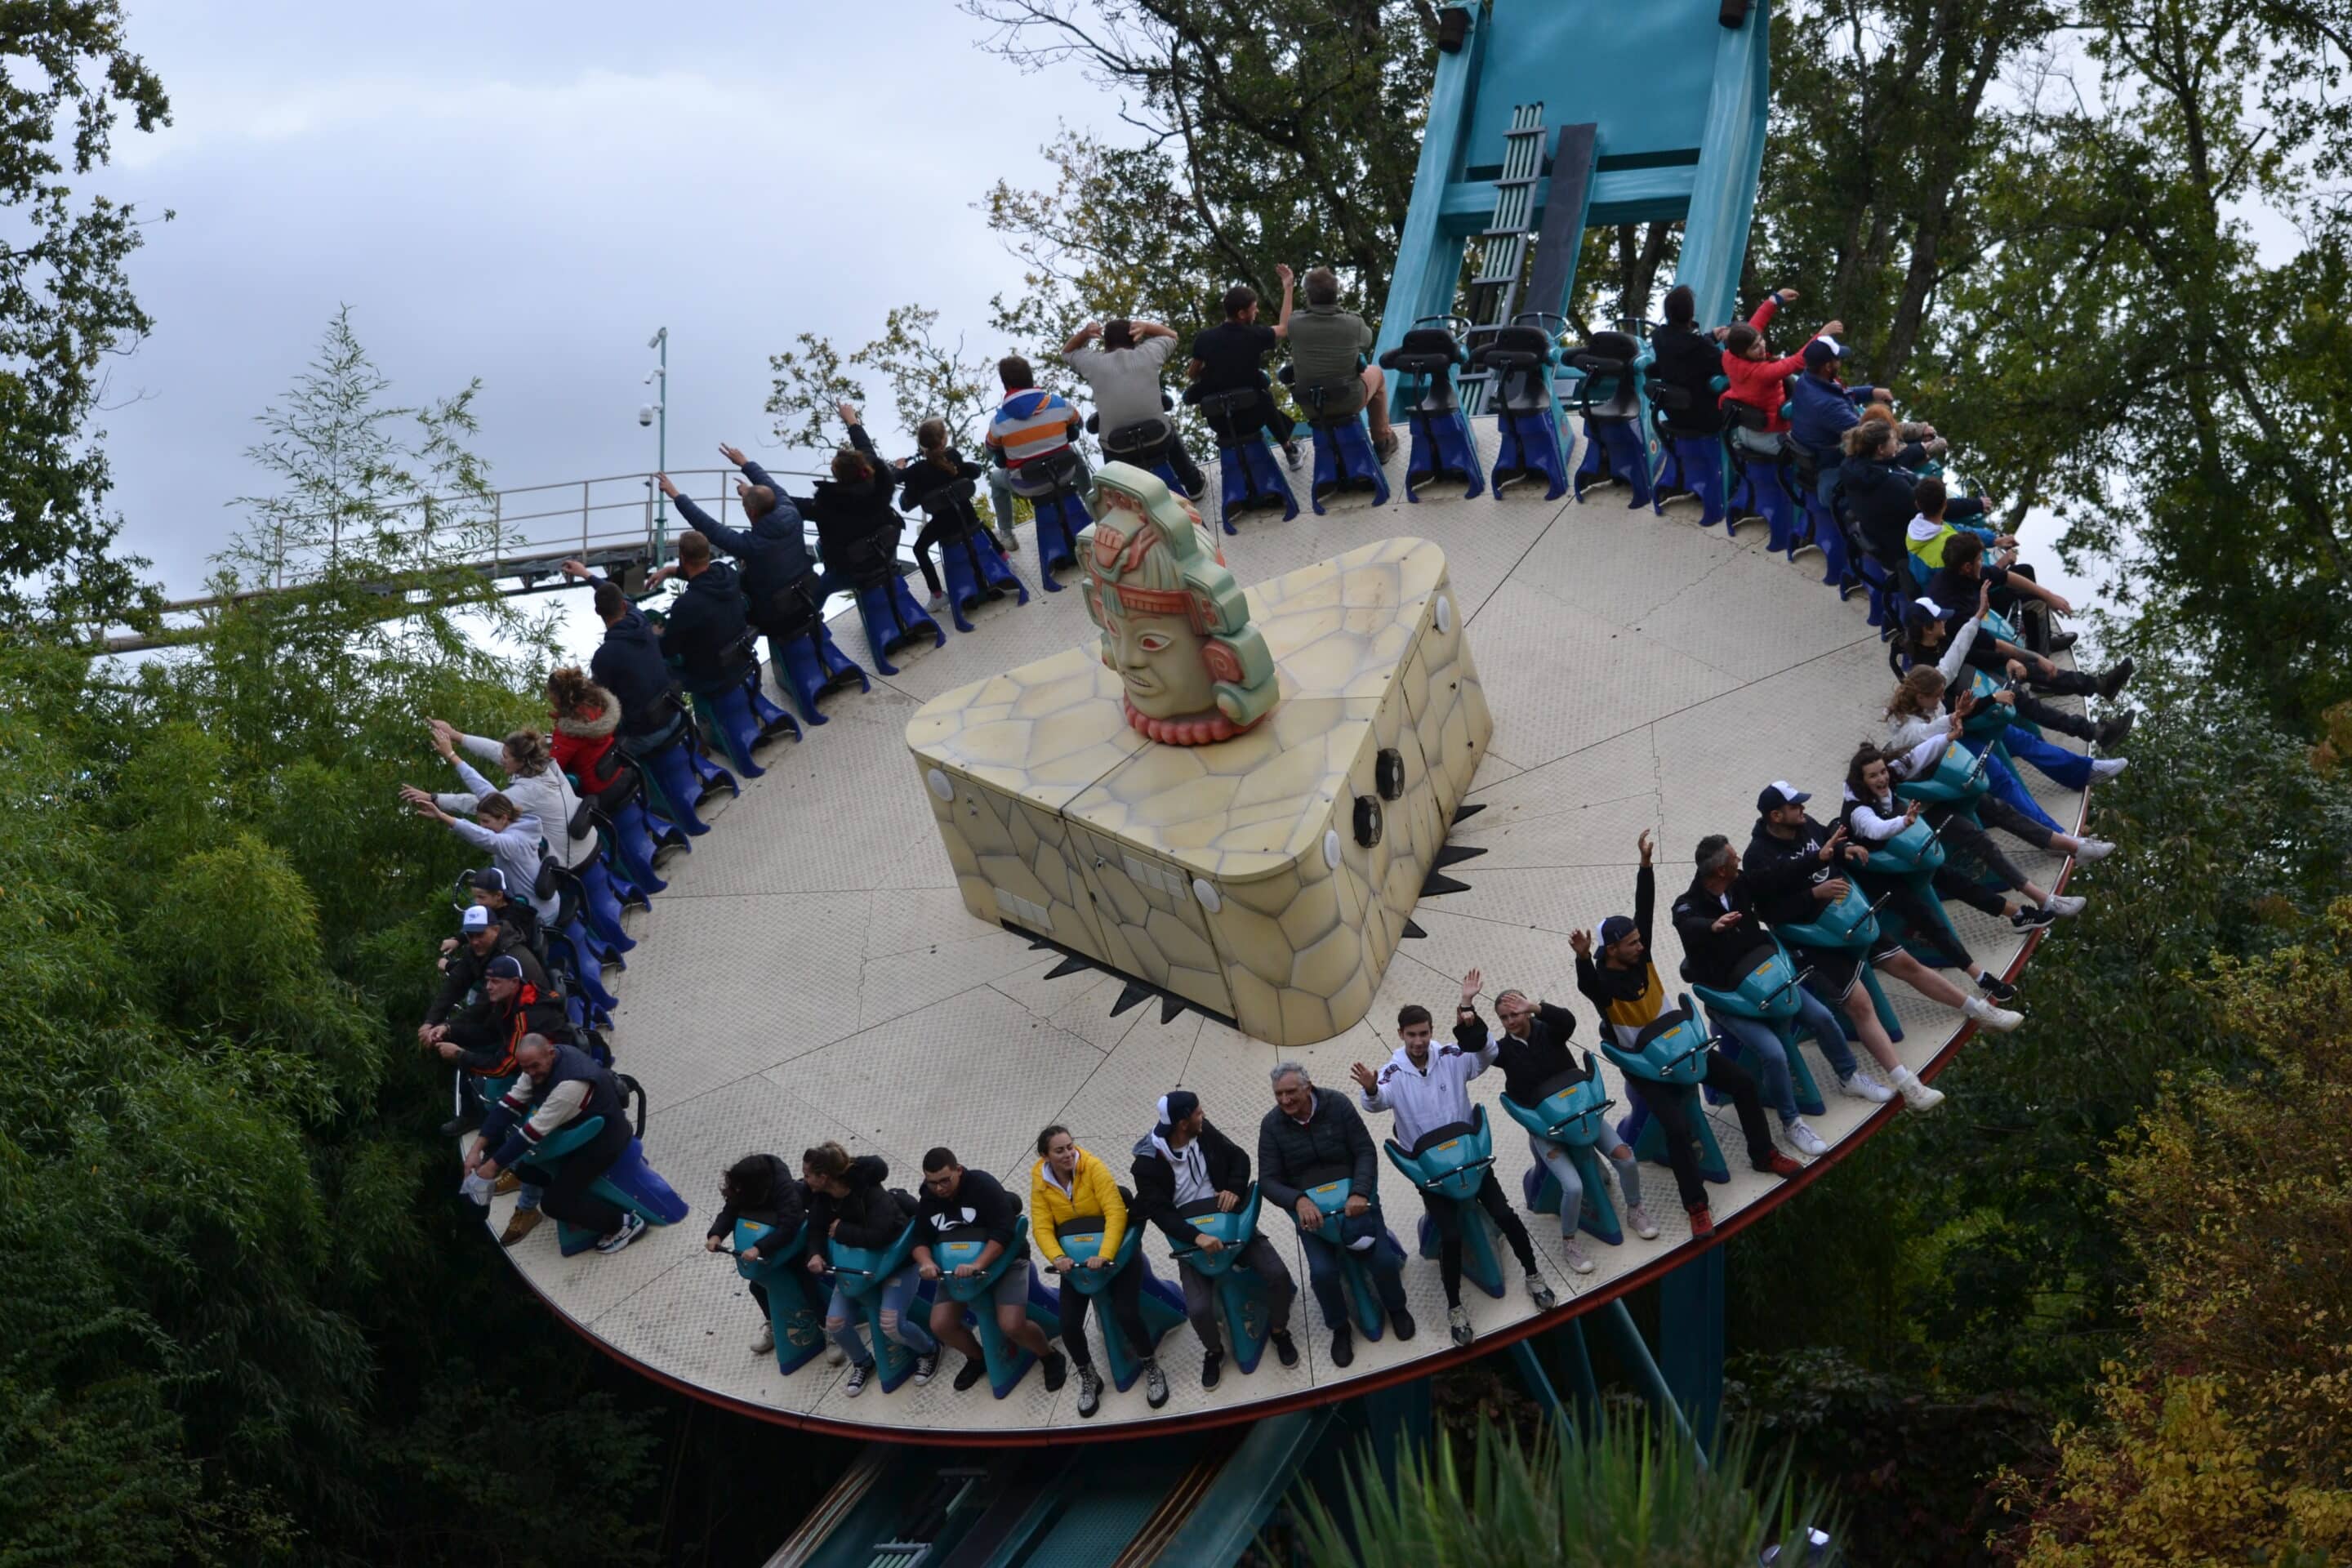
510	838
535	784
1426	1088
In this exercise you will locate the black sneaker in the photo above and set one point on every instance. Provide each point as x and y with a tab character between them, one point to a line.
2060	641
926	1366
1212	1367
2112	731
1995	987
459	1126
1290	453
1057	1370
1401	1322
2116	677
2033	918
972	1370
1285	1348
854	1383
1343	1346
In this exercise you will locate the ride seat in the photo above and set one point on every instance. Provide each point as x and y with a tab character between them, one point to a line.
1751	431
1520	358
1054	475
1610	357
1222	409
1142	442
952	502
1430	353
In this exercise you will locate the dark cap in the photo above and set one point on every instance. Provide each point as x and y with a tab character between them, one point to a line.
477	917
1614	930
1819	353
1176	1105
1781	793
490	880
505	966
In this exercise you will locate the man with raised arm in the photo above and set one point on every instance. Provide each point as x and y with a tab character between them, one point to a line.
1120	362
1231	357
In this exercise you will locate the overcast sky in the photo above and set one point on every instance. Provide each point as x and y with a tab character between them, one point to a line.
523	192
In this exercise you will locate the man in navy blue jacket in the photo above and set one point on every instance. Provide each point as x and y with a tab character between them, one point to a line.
629	662
1822	409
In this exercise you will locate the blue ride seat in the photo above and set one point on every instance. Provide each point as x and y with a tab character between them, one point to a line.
970	565
1573	1115
738	715
1451	1162
665	761
574	962
624	831
599	892
1763	481
629	1183
1914	855
1613	399
796	1301
1523	359
1671	1049
1241	1297
1344	457
1248	478
1005	1361
1355	1269
801	649
1162	1305
1144	443
1692	462
1442	447
1054	486
1850	925
1767	992
857	1272
890	615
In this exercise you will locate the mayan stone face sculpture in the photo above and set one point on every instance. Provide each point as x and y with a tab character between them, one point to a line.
1175	627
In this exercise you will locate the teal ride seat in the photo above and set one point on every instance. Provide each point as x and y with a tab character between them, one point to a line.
1451	1162
1241	1299
1671	1049
1914	855
1573	1116
1850	925
1355	1271
1767	992
1163	1306
1005	1361
1957	779
630	1183
796	1302
857	1272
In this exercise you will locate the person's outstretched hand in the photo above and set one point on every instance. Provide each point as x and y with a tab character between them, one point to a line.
1283	274
1472	984
1984	595
573	569
1581	941
1364	1077
661	483
1787	296
732	453
1645	846
848	412
1833	329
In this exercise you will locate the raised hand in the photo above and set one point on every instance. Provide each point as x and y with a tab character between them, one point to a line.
1365	1078
1787	296
732	453
573	569
1645	846
1984	595
1472	984
848	412
661	483
1283	274
1830	849
1582	942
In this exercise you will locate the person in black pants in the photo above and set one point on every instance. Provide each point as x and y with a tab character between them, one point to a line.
1229	357
763	1189
771	558
857	529
1181	1166
561	1085
939	464
1927	630
706	634
1872	814
1072	1186
629	663
1311	1136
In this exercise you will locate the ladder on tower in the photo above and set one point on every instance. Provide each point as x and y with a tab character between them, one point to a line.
1503	244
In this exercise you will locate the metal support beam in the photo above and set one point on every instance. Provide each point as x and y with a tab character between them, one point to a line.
1654	1387
1539	1385
1690	1339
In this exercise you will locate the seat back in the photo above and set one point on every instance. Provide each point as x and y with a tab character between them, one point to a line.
1671	1049
1235	1228
1042	479
1573	1113
1142	442
1451	1160
1610	389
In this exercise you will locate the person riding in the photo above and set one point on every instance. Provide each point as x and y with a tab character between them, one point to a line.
1623	987
1916	710
584	720
760	1188
771	556
1878	480
855	524
1120	362
560	1085
1031	424
1537	1063
1066	1184
481	1038
1425	1088
1873	815
628	663
1311	1136
1755	379
489	885
956	1199
481	937
1928	623
1932	529
535	785
1183	1162
1230	357
1821	408
937	464
1328	352
847	1203
1689	359
1965	565
511	839
704	633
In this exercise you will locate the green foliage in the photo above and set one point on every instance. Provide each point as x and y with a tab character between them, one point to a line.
928	379
1623	1497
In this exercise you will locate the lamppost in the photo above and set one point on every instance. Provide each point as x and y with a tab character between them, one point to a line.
657	414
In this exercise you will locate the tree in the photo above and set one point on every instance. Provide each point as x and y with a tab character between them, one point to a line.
926	378
67	76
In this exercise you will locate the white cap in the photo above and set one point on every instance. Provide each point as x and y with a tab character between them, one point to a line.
477	917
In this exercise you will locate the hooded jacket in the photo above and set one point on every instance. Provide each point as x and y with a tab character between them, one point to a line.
786	1207
464	973
583	747
1092	1191
771	554
489	1033
545	795
1781	873
855	517
1628	1000
1423	1098
869	1216
1822	410
1689	360
703	631
1227	1165
514	850
629	665
1543	1058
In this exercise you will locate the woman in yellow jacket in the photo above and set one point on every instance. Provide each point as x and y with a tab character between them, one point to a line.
1065	1183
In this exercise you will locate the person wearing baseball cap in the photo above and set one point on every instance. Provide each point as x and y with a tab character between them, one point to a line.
1793	866
1821	408
481	937
1185	1167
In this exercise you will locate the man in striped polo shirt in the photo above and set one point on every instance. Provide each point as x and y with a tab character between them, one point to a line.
1030	423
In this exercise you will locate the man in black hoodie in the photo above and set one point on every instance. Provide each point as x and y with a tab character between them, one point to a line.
704	633
956	1201
629	662
857	528
1183	1166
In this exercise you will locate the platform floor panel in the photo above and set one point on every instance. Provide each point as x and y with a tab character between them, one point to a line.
812	974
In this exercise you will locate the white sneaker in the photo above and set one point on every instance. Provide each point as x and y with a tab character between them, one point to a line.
1639	1218
1990	1016
764	1341
834	1354
2067	905
2093	849
1575	1255
2108	767
633	1225
1861	1085
1917	1095
1805	1139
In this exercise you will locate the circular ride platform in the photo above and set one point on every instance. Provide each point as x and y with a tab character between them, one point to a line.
812	973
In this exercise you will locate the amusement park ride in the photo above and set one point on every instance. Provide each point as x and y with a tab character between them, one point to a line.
1259	798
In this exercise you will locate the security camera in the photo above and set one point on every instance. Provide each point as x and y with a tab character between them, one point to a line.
646	415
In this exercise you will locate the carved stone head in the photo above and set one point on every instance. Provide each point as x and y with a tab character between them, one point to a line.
1174	623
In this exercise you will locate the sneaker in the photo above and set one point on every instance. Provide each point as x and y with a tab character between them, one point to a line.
1458	1324
1805	1139
1990	1016
2066	906
1540	1293
1401	1322
972	1370
508	1182
2108	767
1702	1223
1574	1255
633	1225
1995	988
1777	1164
1290	453
459	1126
1917	1096
2093	849
1155	1385
1285	1348
2114	680
1212	1366
2112	731
1011	541
854	1383
834	1354
1090	1391
1863	1087
927	1365
1639	1218
2032	917
1058	1371
522	1223
764	1341
1343	1346
2060	641
937	601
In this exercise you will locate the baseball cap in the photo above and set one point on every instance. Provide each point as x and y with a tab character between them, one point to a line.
1821	351
477	917
490	880
1176	1105
1921	610
1614	930
505	966
1781	793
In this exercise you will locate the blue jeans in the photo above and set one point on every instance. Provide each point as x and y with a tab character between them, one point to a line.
1759	1043
842	1318
2068	770
1323	1265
